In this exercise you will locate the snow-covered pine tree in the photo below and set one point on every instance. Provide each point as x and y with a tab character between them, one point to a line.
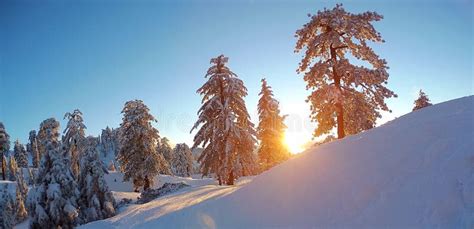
271	130
7	211
19	208
139	158
182	161
22	186
116	139
53	201
19	153
33	149
96	201
226	132
166	150
422	101
4	147
12	169
334	81
107	143
73	138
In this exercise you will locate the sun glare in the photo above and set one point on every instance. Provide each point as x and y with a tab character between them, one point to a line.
295	141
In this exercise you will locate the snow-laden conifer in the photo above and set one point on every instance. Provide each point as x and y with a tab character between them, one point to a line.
12	169
182	161
33	149
53	201
422	101
108	143
342	93
73	139
166	150
225	130
96	201
19	208
271	130
139	158
20	155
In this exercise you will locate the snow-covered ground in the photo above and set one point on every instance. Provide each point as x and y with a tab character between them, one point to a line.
122	189
414	172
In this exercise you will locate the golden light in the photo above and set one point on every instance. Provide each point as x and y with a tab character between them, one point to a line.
296	141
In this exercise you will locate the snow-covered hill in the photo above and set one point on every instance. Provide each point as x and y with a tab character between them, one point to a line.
414	172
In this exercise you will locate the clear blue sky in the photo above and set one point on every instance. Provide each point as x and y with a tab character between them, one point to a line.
56	56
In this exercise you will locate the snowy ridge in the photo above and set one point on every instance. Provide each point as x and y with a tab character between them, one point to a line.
415	171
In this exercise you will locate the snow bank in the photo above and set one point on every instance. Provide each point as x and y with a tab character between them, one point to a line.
416	171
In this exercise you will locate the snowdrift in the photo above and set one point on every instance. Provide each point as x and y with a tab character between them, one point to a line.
414	172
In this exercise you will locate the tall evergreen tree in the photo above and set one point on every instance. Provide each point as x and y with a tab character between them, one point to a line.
270	130
96	201
422	101
19	153
19	208
73	139
4	147
226	132
182	161
33	149
107	142
12	169
334	81
54	198
138	156
166	150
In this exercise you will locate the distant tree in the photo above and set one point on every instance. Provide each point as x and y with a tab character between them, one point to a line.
342	93
19	153
166	150
12	169
19	208
53	201
138	156
22	185
116	137
96	201
270	130
107	142
422	101
7	211
33	149
73	139
4	147
226	132
182	161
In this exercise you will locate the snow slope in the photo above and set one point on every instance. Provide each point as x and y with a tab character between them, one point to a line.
414	172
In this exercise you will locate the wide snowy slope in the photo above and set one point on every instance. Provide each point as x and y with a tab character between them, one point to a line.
414	172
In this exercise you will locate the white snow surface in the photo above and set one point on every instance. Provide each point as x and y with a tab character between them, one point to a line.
414	172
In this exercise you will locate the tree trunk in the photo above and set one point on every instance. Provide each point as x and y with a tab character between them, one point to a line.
3	167
339	108
219	179
146	186
230	181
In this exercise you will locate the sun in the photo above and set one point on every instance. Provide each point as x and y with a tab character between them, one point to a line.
296	141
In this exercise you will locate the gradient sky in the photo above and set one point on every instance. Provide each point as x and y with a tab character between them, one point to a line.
56	56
